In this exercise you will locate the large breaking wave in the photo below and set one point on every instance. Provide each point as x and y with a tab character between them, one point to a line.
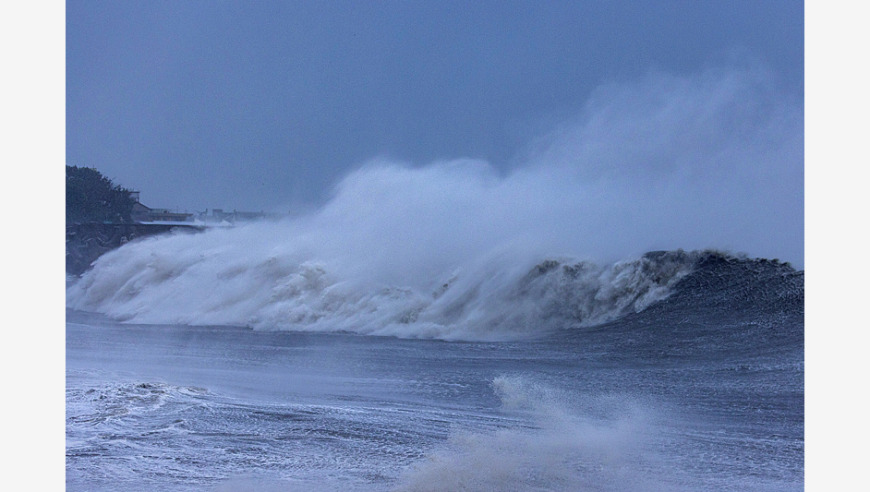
460	249
179	280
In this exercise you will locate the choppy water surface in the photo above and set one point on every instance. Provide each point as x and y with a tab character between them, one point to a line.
702	391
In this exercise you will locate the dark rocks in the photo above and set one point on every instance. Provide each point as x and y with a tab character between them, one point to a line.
88	241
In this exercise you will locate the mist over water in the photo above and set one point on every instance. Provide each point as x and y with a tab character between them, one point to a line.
712	160
564	448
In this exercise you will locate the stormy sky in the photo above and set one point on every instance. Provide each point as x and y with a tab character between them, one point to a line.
652	124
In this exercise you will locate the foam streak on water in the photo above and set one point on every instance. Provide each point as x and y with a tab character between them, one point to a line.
181	408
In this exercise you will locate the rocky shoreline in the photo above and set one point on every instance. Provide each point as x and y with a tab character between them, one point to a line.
86	242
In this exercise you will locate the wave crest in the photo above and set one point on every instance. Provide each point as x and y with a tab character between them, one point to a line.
178	280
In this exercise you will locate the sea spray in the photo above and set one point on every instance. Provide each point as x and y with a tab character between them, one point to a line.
556	444
702	390
187	279
457	249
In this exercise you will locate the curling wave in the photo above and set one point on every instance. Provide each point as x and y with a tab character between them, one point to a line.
459	249
175	280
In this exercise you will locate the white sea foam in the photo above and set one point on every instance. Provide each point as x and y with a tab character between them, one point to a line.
446	249
223	278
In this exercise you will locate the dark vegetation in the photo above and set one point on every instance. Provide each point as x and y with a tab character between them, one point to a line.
92	197
99	218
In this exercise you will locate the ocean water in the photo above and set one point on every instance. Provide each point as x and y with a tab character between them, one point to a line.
205	362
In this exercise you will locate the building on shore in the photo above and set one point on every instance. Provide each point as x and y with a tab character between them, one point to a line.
216	217
220	216
144	214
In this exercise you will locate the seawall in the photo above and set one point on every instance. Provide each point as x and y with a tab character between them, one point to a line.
86	242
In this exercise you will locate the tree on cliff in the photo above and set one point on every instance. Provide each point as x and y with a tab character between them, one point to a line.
92	197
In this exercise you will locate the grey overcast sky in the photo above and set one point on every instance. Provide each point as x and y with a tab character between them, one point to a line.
269	105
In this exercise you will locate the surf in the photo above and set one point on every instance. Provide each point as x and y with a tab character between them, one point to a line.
465	249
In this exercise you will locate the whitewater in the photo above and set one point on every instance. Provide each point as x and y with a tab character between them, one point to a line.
701	389
584	320
214	278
